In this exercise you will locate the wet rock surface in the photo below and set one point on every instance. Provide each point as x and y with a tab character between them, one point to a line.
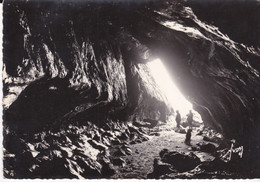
207	147
104	67
180	161
167	157
72	152
78	78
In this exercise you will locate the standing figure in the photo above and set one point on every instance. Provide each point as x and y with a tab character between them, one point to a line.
188	137
178	119
190	119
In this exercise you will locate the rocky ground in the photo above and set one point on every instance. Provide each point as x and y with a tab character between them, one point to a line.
72	151
167	136
121	150
166	155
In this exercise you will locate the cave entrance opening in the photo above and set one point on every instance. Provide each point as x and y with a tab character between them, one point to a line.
175	98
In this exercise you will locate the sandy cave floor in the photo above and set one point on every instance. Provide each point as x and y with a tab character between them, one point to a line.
140	162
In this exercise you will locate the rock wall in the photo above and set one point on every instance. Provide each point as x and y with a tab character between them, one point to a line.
65	68
87	60
146	99
218	14
216	74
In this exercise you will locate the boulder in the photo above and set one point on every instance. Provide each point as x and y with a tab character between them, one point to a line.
119	152
151	122
180	161
123	136
134	129
118	161
159	168
107	169
144	138
116	141
97	145
84	166
133	142
139	141
126	149
54	168
207	147
97	137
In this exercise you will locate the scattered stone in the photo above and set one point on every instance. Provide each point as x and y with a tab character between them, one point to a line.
105	141
134	129
139	124
133	142
119	152
123	136
124	146
151	122
117	133
54	169
139	141
118	162
127	131
97	145
212	136
97	137
107	169
155	134
207	147
127	149
224	144
144	138
215	165
141	130
40	146
84	167
116	142
108	134
133	136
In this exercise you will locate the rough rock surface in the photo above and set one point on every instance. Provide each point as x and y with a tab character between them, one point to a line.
89	64
180	161
100	65
60	73
70	152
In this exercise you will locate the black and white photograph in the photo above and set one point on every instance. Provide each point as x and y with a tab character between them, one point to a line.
131	89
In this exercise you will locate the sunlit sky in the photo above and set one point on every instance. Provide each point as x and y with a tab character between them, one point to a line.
164	81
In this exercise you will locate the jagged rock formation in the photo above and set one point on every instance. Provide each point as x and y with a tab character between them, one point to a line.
89	49
218	14
72	69
78	62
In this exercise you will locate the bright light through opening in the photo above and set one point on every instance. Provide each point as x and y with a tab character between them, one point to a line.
164	81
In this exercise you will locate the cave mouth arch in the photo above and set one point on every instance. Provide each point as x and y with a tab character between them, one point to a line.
175	98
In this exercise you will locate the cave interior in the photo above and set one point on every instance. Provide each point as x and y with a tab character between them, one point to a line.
77	83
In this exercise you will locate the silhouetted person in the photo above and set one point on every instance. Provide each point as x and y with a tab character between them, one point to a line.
178	119
190	118
188	137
